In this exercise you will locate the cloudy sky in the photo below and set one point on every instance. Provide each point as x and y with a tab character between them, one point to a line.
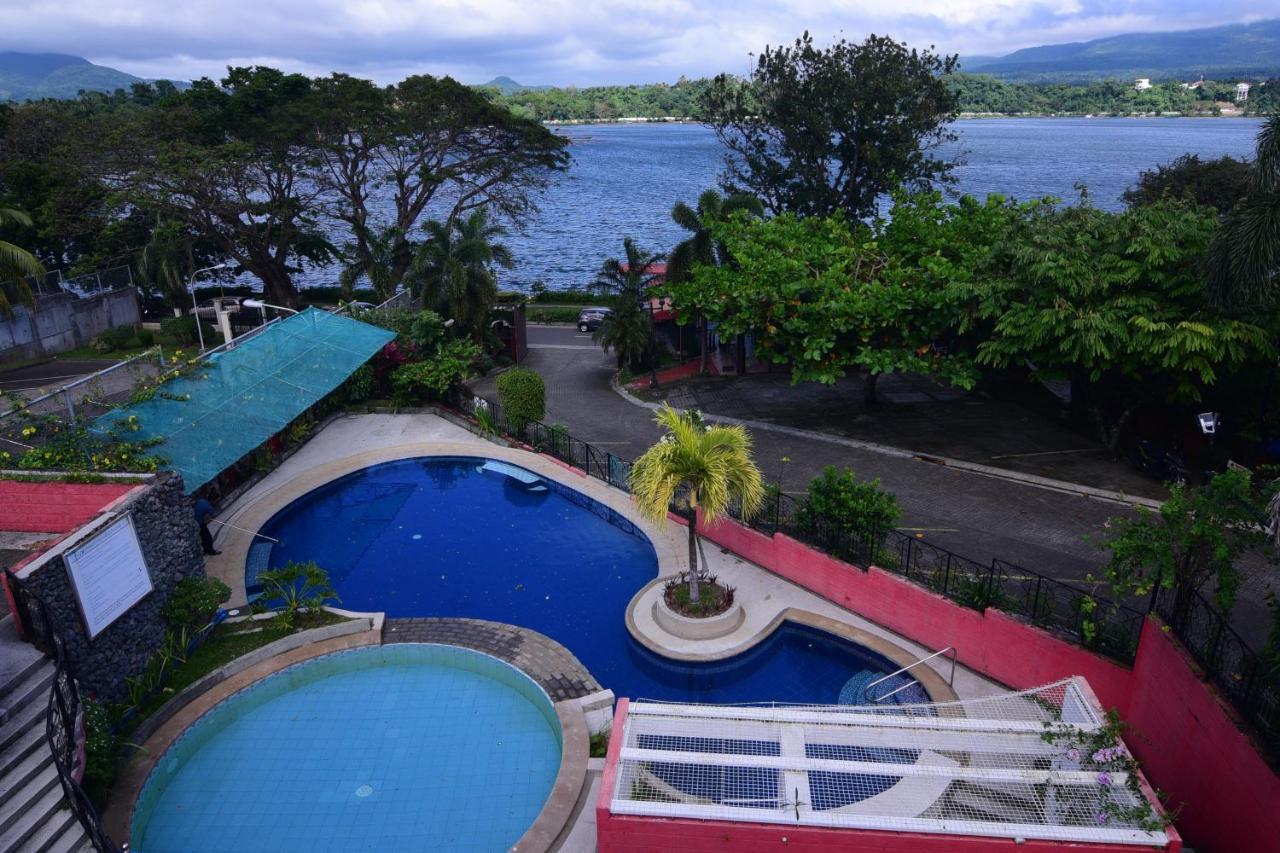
555	42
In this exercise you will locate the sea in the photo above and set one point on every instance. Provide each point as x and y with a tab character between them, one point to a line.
624	179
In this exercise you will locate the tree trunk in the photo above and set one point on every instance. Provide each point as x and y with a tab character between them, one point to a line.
694	592
277	286
869	389
705	342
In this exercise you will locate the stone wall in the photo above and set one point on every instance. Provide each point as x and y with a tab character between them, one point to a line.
62	321
170	543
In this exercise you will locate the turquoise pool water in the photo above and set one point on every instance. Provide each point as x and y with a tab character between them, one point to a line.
388	748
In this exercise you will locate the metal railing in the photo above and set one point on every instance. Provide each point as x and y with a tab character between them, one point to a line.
1250	680
55	281
1093	621
878	699
64	714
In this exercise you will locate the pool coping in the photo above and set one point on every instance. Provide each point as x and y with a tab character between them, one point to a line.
255	508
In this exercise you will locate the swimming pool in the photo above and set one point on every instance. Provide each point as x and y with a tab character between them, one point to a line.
444	536
398	747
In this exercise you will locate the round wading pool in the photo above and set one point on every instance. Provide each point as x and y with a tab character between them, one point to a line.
397	747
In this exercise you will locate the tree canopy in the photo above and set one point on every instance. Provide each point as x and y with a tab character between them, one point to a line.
817	130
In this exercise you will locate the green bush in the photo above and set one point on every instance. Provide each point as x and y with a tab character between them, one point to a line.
194	601
182	330
522	395
433	377
359	385
295	587
146	338
553	315
427	332
838	500
112	339
100	747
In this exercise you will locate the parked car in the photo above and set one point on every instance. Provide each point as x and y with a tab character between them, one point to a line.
589	319
209	310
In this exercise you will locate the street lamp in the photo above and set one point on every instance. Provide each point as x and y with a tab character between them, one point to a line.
258	303
195	309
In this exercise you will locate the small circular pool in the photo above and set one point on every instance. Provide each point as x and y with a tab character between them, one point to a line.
397	747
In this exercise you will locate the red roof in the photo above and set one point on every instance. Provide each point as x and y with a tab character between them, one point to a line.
53	507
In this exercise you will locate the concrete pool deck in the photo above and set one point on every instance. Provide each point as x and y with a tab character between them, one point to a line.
352	442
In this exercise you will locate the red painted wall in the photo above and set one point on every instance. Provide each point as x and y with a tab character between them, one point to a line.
51	507
1189	745
1188	739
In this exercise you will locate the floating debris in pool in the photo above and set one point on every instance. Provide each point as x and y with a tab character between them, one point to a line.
417	536
364	790
519	587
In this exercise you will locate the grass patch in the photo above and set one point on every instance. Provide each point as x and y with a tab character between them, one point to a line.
229	641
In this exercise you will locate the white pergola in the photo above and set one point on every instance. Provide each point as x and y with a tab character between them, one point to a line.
1004	767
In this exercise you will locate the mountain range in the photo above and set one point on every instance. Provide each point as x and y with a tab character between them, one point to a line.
25	76
1235	50
1226	52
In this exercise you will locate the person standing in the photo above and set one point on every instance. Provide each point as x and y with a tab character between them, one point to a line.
204	512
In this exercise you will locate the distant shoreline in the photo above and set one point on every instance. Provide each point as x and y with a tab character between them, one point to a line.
572	122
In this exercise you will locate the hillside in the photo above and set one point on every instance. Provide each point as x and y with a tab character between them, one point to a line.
509	87
1236	50
25	76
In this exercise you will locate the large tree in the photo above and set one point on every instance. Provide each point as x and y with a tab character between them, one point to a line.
234	163
1243	262
699	249
1219	184
814	131
455	269
821	297
440	147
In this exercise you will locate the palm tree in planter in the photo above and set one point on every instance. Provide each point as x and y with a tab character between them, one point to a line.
698	467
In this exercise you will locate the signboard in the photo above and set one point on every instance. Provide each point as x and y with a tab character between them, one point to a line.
109	574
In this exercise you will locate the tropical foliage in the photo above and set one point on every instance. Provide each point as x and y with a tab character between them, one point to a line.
1244	259
838	500
522	394
627	331
16	264
455	269
700	469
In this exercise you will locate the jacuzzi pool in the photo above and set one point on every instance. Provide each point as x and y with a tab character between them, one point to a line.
459	536
397	747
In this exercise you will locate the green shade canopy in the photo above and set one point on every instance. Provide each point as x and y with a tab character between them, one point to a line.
238	398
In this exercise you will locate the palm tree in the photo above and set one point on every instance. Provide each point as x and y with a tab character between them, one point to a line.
378	261
454	268
699	249
708	467
1244	257
629	282
16	264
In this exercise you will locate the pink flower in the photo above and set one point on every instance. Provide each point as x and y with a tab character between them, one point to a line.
1073	754
1104	779
1103	817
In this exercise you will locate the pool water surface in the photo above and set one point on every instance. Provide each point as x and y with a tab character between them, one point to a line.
441	536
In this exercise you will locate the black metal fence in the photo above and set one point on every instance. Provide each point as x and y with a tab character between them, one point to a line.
1250	680
64	717
1097	623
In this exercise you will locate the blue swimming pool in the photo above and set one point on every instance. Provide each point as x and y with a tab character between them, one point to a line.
398	747
443	536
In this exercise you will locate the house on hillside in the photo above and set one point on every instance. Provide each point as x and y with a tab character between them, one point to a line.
1242	92
1142	83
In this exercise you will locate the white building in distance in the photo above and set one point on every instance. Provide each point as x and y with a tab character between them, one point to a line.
1142	83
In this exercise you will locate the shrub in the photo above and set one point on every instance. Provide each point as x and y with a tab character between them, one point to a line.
523	396
112	339
837	500
293	588
100	747
359	385
194	601
182	330
146	338
426	332
432	378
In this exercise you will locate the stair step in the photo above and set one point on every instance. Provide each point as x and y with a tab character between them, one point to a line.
22	819
30	740
59	824
72	840
32	714
12	783
7	689
34	688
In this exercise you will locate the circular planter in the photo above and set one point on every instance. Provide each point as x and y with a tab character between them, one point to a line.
698	627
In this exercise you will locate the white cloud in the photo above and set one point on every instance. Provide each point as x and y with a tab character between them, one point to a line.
550	41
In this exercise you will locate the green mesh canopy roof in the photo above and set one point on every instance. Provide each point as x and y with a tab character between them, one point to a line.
238	398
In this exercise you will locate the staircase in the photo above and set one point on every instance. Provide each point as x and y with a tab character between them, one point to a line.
34	817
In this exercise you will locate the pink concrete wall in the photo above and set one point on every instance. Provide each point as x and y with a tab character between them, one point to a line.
1186	736
53	507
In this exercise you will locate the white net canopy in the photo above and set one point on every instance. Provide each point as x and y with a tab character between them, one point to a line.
1037	764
